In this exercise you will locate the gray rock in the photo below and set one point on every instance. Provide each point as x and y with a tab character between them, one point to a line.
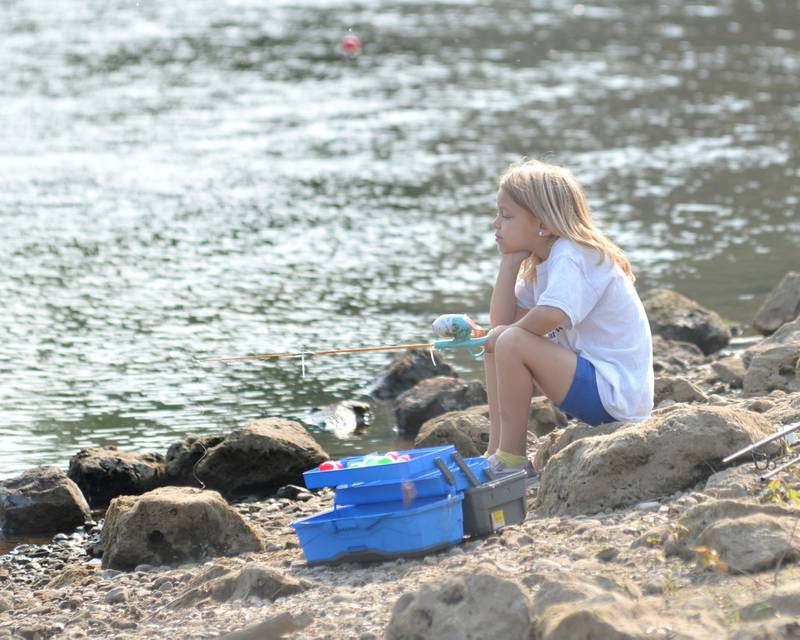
182	456
103	473
252	580
755	542
117	595
433	397
730	370
780	628
682	539
645	460
172	525
465	607
673	356
676	317
774	363
273	627
41	500
565	590
406	370
676	389
582	609
343	419
781	306
606	554
259	458
555	441
544	417
293	492
467	430
615	622
735	482
782	601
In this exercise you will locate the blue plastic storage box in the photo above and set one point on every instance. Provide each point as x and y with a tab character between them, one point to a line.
422	461
381	531
424	486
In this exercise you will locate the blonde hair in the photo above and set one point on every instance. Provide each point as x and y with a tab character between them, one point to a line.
554	196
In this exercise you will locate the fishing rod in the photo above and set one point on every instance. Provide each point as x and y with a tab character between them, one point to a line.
789	457
462	333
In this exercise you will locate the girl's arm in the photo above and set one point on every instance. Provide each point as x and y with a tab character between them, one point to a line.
541	320
503	307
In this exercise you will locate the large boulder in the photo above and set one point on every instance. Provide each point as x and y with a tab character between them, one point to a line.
103	473
173	525
433	397
408	369
774	363
182	456
259	458
41	500
473	607
676	317
468	430
781	306
557	440
640	461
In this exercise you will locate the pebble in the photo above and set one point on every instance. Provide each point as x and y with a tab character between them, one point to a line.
607	554
654	586
648	506
144	568
117	595
545	565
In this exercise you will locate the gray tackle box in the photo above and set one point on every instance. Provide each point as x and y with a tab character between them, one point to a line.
495	504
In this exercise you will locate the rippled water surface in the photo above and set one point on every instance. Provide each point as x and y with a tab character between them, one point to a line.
212	177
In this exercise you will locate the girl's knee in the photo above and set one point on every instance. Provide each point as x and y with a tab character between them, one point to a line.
509	343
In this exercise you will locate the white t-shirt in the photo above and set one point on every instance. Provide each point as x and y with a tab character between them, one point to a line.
606	323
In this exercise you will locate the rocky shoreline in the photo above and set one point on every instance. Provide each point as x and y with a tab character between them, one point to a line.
637	531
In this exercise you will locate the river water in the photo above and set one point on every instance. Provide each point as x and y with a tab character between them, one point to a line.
206	178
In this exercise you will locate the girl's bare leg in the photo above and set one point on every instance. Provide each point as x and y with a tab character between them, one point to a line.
494	406
521	361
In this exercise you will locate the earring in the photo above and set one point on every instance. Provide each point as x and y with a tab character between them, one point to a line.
541	233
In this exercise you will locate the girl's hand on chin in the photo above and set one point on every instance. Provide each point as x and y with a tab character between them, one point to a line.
517	256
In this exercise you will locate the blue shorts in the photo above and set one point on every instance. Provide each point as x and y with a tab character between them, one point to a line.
582	400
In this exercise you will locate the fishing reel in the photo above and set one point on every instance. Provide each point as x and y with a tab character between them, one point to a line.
462	331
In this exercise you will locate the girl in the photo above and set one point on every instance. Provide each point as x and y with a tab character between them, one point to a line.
564	313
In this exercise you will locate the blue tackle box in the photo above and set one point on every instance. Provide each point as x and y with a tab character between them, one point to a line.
382	530
422	461
386	511
427	485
